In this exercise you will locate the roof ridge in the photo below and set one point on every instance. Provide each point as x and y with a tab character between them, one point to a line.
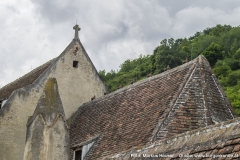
188	76
208	119
31	72
32	76
160	75
131	86
224	96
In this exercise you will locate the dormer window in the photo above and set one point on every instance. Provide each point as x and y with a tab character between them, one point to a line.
75	64
78	154
81	152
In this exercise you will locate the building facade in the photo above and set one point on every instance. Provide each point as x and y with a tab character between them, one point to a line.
49	114
77	79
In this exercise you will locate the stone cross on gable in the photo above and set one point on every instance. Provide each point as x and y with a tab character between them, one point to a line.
76	28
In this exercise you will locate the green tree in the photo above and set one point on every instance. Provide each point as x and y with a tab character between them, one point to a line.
102	74
219	44
233	63
233	78
221	69
233	94
236	55
213	53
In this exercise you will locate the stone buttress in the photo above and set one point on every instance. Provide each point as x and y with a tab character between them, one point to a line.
47	131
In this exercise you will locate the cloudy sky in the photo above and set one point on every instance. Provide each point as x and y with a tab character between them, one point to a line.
35	31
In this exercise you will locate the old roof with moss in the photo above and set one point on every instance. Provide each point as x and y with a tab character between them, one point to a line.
216	141
182	99
23	81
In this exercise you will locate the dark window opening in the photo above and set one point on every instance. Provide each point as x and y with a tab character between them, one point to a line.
75	64
78	155
81	152
0	104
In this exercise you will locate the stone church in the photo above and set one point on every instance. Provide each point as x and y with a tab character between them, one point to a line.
182	113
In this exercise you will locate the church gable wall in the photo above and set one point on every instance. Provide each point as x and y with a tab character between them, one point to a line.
76	86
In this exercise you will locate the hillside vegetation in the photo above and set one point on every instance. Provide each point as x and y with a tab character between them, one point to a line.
219	44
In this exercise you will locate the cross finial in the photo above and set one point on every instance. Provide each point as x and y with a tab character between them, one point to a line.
76	28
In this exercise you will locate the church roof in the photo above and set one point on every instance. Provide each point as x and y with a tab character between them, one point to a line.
182	99
23	81
222	139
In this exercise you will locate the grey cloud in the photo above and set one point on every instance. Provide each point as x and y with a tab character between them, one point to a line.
55	11
112	30
174	6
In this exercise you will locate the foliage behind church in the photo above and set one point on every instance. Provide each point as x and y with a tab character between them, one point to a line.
219	44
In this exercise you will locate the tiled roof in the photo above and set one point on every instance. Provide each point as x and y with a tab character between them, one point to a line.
182	99
23	81
201	102
216	141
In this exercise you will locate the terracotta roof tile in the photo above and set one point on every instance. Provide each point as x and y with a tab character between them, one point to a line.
228	146
159	107
23	81
126	118
195	108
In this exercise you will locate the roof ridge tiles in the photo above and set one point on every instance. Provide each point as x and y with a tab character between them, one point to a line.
128	117
134	85
131	86
208	119
4	89
168	145
9	88
159	126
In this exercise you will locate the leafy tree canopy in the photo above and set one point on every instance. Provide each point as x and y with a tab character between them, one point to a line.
219	44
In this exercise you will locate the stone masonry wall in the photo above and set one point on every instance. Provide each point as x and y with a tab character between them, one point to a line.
47	130
76	86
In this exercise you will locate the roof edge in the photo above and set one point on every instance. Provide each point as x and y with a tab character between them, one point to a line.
208	119
186	80
38	81
226	124
132	86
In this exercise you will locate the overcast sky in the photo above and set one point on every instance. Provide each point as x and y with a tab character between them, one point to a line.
35	31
